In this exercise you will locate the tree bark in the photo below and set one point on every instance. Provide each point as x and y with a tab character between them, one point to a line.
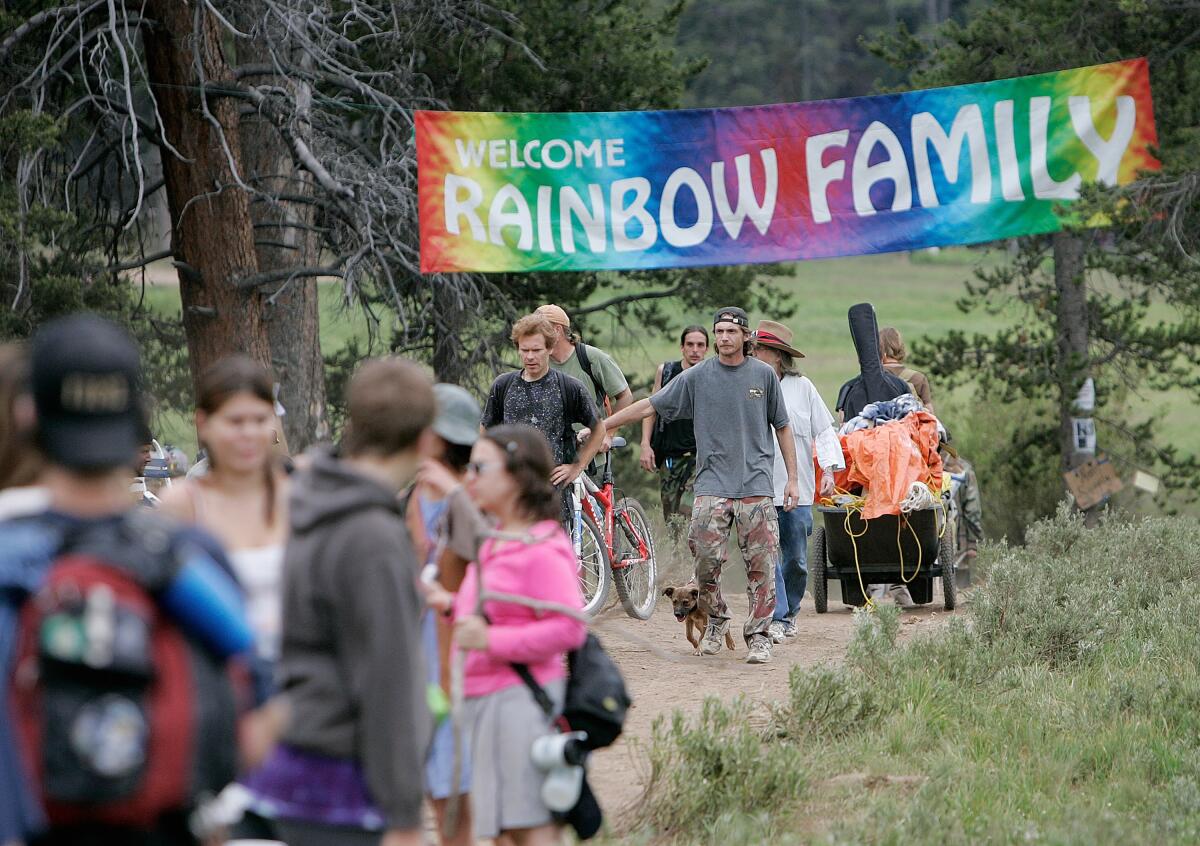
293	313
211	231
1072	354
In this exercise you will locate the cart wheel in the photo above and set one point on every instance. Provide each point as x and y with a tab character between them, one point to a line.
946	561
816	572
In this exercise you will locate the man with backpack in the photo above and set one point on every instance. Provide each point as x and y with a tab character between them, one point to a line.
116	626
548	400
671	447
590	365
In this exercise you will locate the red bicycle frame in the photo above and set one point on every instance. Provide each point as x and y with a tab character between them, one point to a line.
604	495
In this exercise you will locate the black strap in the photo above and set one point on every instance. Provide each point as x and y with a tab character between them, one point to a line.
539	694
501	389
585	364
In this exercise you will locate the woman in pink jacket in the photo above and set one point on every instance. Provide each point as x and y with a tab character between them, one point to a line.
531	556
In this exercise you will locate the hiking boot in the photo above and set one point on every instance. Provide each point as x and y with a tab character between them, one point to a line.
776	631
714	635
760	649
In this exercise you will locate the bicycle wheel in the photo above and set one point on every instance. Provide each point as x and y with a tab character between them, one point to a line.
594	578
636	582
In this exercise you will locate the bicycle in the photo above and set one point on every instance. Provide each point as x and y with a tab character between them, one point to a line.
614	544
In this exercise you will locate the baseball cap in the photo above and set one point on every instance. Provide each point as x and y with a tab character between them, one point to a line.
87	389
733	314
458	414
554	314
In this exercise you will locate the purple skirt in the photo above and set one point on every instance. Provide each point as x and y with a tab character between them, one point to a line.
295	784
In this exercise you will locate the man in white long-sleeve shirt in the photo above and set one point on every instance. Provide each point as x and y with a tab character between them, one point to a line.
811	425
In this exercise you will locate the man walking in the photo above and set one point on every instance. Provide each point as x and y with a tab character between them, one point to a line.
549	401
734	402
812	425
671	447
590	365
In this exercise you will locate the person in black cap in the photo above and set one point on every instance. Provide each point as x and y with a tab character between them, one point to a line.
734	402
86	382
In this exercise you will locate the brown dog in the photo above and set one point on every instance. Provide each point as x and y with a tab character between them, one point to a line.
685	600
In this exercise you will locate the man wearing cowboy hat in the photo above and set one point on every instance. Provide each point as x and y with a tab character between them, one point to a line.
735	403
811	425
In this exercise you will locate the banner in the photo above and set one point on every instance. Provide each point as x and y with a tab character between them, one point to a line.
626	190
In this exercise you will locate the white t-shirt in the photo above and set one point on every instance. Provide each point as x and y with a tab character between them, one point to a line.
812	424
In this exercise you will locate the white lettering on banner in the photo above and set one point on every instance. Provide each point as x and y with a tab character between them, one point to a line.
614	149
1046	187
497	150
622	214
499	218
555	153
586	151
632	213
529	159
1006	148
456	208
545	229
470	154
556	144
760	214
592	219
1108	153
628	201
967	126
894	167
698	232
821	174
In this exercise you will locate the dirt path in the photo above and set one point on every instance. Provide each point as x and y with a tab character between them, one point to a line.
663	675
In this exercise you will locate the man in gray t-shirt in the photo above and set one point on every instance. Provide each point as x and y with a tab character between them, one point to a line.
735	402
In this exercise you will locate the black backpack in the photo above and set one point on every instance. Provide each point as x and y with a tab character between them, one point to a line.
596	701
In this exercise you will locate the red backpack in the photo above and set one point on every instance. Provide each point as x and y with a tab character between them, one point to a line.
105	694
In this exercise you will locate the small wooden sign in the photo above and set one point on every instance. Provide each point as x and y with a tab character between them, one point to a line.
1093	482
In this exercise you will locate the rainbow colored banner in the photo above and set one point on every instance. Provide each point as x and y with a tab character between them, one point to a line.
626	190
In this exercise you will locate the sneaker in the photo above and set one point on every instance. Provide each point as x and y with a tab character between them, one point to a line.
775	630
790	630
714	636
760	650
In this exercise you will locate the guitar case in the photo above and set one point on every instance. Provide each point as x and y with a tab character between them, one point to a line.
873	383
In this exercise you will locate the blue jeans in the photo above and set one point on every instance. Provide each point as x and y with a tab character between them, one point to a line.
791	571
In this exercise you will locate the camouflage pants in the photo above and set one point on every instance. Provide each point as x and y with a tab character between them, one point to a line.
757	526
675	480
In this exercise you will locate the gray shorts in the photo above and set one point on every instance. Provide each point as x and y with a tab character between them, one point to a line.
505	785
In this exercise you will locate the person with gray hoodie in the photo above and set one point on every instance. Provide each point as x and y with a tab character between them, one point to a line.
349	766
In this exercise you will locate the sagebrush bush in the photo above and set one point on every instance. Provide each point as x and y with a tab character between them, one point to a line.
703	770
1062	707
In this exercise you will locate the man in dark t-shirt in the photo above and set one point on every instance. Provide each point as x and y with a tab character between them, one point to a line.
549	401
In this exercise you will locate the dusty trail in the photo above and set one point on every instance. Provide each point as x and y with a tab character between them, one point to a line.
668	677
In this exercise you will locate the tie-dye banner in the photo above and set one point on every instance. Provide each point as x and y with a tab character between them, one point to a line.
625	190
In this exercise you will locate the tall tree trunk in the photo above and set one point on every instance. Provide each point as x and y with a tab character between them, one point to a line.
285	238
1072	364
211	232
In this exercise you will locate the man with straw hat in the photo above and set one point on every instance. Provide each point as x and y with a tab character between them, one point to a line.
811	425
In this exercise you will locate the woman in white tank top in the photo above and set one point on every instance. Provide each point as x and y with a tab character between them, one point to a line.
242	500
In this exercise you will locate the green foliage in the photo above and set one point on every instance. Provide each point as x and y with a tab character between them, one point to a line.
700	772
1141	272
583	56
806	50
1063	708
